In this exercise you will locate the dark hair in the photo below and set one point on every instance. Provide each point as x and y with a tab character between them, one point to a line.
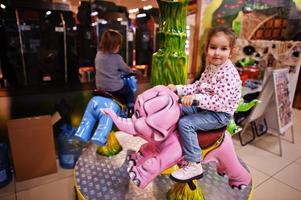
221	29
109	41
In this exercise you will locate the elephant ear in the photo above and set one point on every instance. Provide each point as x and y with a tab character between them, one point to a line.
162	115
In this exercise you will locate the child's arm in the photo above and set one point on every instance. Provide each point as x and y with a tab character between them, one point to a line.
123	66
226	92
199	86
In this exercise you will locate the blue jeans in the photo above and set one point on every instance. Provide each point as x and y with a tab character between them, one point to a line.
195	119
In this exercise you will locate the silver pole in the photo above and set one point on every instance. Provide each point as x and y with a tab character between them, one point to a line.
155	38
280	145
127	44
21	47
292	132
97	33
65	48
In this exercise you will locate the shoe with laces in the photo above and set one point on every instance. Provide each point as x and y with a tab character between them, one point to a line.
188	173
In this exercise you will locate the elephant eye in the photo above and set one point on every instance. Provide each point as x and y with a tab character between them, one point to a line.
137	114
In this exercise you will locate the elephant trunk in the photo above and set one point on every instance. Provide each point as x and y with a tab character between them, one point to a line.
124	124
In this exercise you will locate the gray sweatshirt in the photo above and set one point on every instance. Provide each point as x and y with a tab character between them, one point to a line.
108	70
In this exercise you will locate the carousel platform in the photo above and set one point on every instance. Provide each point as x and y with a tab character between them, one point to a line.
98	177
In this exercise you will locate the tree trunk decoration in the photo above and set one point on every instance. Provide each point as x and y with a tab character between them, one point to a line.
170	61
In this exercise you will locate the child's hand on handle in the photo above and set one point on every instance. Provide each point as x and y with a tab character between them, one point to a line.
137	73
172	87
189	100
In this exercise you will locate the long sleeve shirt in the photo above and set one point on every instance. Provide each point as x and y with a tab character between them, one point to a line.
217	90
108	70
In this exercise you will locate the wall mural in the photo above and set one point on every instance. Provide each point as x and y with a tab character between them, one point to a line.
227	12
231	12
267	53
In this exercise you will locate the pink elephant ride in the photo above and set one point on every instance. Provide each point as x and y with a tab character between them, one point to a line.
156	113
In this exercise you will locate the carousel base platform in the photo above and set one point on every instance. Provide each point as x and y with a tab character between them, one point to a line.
98	177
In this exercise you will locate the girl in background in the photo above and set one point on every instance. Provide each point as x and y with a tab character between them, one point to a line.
109	67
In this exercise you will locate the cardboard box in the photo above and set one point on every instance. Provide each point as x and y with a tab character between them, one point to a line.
32	146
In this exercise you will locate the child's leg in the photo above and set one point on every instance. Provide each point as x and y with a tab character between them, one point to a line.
188	126
128	94
203	121
188	110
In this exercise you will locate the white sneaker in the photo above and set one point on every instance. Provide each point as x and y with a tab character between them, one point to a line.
189	172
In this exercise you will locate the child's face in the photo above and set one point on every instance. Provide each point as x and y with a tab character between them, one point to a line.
218	50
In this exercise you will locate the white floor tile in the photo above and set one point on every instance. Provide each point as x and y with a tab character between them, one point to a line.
262	160
290	151
275	190
258	176
289	176
236	143
298	161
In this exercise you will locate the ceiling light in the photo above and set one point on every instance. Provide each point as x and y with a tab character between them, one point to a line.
134	10
147	7
141	15
48	12
102	21
2	6
94	13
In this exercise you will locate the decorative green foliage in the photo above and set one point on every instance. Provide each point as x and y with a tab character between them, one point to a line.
170	61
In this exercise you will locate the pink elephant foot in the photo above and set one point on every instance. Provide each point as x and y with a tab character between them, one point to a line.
145	152
145	173
221	172
240	182
142	175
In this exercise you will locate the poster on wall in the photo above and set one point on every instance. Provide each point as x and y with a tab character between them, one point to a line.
282	98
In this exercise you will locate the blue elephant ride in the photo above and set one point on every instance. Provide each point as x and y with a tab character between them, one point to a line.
104	135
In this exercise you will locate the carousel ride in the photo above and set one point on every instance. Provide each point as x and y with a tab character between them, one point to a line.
135	162
141	169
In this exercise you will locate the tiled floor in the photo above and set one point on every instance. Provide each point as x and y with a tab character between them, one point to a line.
275	178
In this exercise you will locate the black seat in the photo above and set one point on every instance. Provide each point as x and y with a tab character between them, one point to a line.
100	92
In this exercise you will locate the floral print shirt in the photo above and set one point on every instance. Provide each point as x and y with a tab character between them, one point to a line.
219	88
